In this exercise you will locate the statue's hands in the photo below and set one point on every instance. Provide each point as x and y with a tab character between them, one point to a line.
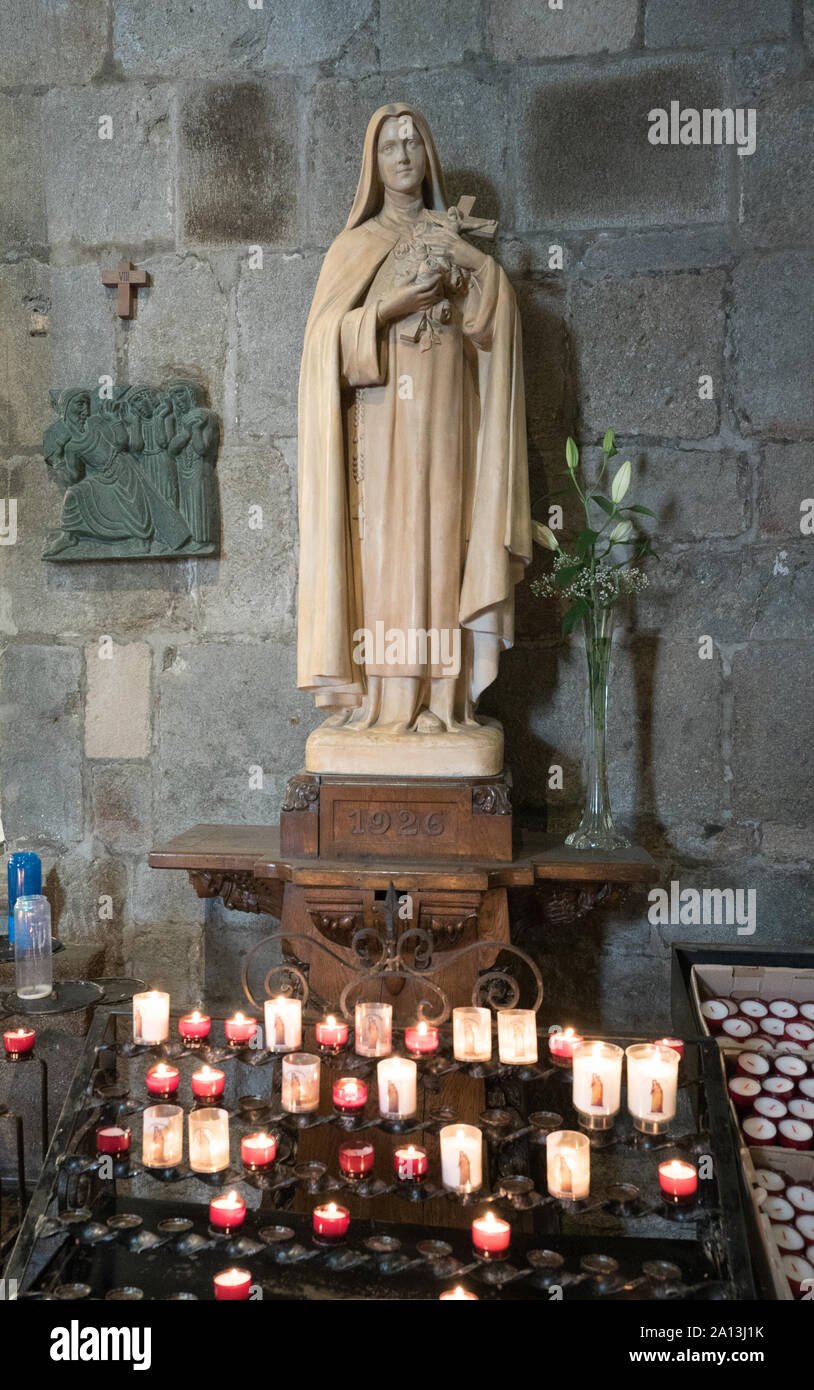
410	299
445	239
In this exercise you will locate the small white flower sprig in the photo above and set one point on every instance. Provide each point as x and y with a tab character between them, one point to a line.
592	578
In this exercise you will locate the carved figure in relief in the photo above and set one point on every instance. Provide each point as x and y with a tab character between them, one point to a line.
194	446
146	419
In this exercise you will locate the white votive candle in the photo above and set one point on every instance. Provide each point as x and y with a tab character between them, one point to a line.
397	1087
652	1084
151	1016
472	1034
568	1165
517	1036
208	1140
597	1083
461	1158
283	1020
373	1029
300	1087
162	1136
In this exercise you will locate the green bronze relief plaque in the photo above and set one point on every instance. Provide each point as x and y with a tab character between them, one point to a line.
138	472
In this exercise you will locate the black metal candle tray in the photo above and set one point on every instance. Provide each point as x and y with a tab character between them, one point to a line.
97	1229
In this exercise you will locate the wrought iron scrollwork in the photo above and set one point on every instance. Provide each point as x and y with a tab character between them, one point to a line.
380	954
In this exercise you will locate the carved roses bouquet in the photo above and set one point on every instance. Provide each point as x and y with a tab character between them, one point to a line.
420	260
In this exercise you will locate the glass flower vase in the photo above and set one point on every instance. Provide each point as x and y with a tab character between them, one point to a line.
596	830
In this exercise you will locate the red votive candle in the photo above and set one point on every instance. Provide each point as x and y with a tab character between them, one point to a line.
331	1222
162	1079
421	1037
678	1181
561	1045
258	1150
675	1043
491	1235
799	1272
800	1032
194	1027
783	1008
332	1033
743	1091
16	1041
239	1029
356	1159
208	1082
232	1284
795	1134
759	1132
713	1012
410	1163
225	1213
113	1139
349	1095
753	1064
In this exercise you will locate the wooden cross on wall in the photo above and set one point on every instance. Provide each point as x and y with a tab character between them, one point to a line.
127	279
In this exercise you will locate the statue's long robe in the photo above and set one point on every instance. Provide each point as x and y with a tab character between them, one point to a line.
477	417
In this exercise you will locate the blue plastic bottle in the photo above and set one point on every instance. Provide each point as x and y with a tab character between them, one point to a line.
24	880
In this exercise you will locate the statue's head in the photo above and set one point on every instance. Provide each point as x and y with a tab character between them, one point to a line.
185	395
401	156
142	402
74	407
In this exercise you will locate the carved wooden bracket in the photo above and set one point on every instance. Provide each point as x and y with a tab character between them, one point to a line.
301	793
563	904
336	916
241	892
491	799
447	918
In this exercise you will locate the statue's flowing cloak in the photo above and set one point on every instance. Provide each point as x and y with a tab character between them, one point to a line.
499	525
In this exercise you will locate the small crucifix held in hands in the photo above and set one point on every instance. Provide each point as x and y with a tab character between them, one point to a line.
127	280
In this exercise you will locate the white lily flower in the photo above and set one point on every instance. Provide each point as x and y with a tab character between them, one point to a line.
543	535
621	482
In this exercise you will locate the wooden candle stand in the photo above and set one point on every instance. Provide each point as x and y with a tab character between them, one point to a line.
445	844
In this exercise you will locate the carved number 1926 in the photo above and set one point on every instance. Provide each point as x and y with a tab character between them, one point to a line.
407	823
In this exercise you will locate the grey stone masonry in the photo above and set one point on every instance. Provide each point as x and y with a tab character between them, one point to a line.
666	291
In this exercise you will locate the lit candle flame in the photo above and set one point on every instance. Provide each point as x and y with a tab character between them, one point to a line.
677	1169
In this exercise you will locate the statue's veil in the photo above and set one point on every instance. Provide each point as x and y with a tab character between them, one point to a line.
370	193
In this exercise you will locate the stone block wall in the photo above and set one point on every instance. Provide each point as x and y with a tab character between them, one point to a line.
237	125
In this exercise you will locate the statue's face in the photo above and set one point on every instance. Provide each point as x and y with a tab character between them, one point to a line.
79	410
402	158
143	404
181	398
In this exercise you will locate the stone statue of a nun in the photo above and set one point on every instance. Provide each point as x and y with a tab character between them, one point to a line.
413	476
